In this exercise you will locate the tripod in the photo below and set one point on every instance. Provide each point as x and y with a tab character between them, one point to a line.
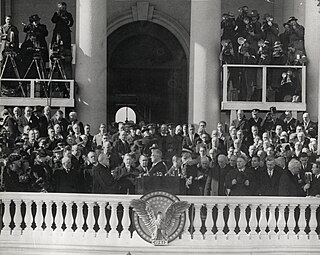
56	65
10	55
38	62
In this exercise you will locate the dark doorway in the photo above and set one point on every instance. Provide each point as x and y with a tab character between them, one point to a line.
147	71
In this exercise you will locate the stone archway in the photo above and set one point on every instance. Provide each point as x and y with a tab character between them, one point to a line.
159	94
143	11
147	71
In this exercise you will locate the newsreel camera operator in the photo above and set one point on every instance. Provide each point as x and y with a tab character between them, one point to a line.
9	36
40	31
61	66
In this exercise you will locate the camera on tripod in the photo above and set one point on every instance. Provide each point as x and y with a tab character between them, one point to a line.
9	50
57	51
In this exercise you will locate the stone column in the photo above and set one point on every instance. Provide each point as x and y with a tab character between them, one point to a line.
312	37
91	62
204	84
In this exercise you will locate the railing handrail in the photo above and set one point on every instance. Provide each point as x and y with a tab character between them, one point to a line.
261	66
72	197
264	104
37	79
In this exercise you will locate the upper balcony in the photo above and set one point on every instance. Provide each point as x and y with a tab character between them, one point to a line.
37	223
248	87
32	92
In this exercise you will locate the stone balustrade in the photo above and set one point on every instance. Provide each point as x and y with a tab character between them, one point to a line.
38	222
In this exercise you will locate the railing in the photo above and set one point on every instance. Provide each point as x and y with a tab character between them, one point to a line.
32	92
265	78
52	222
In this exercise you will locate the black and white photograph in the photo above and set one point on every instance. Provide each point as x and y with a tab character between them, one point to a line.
159	127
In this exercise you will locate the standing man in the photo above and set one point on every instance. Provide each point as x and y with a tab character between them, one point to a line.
63	21
291	185
9	36
239	181
269	178
158	166
40	31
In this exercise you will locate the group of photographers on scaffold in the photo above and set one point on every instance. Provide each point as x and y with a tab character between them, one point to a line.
30	61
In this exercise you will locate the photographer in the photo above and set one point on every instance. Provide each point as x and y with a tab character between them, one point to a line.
296	38
40	32
30	49
63	21
270	29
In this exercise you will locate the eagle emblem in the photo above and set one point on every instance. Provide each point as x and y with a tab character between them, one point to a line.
160	216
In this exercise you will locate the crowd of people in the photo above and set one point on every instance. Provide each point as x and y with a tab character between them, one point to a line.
270	156
246	40
31	58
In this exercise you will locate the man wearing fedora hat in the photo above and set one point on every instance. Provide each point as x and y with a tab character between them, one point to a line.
296	39
40	31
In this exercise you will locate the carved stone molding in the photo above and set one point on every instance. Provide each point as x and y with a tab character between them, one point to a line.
143	11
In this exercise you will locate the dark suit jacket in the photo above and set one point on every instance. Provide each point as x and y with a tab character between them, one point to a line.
187	143
240	189
241	124
12	126
32	122
252	122
310	125
121	148
102	179
63	124
125	179
215	183
269	186
159	167
314	186
291	125
43	126
290	186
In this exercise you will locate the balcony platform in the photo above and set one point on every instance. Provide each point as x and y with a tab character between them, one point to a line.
282	231
32	98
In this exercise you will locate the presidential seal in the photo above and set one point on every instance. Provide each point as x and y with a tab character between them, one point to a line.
159	217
